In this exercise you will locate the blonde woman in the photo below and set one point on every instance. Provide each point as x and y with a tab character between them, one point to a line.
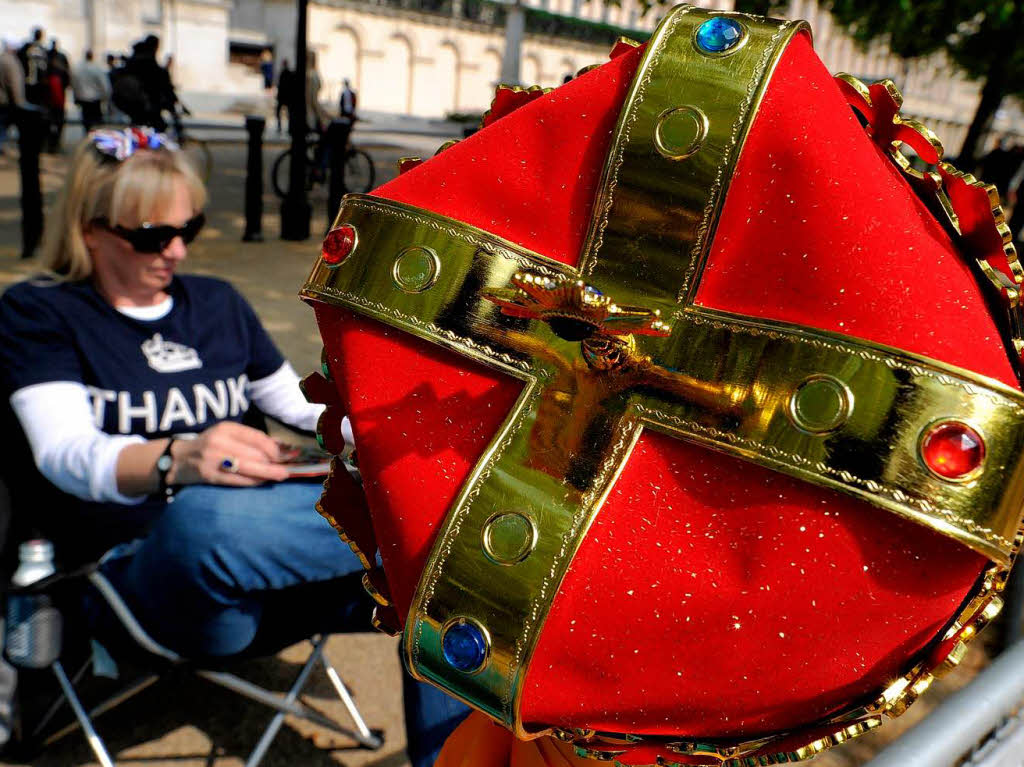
130	382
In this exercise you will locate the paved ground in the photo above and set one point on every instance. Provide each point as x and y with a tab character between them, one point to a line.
184	722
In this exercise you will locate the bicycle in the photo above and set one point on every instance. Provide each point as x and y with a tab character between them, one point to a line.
360	171
196	149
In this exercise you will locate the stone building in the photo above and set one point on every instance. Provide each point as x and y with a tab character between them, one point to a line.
435	57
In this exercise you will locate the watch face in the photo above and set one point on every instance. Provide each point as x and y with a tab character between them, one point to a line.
163	463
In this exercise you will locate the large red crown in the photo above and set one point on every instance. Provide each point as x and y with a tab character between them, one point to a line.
762	511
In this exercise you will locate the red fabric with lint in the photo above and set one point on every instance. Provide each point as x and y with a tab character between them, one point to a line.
711	597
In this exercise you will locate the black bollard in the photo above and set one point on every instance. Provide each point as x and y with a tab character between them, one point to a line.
31	132
254	125
338	133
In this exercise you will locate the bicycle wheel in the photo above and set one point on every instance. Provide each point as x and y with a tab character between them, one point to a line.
199	154
359	171
279	173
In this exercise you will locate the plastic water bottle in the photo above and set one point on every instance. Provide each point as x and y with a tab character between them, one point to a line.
33	623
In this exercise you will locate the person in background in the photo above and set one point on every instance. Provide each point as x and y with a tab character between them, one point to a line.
131	382
142	88
91	88
348	102
316	118
114	64
59	74
285	90
12	88
34	58
267	69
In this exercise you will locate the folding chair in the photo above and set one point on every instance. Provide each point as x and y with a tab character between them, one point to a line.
167	659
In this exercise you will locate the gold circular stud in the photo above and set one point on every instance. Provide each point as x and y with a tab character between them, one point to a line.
820	404
680	131
415	269
508	537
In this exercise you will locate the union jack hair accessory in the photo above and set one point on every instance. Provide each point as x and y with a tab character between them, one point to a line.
120	144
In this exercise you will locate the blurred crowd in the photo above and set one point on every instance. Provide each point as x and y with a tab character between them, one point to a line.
133	88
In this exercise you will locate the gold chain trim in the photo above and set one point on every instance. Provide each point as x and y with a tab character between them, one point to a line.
967	207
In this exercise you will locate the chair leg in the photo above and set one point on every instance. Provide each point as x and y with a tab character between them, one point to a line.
56	705
350	705
290	704
293	693
83	718
110	703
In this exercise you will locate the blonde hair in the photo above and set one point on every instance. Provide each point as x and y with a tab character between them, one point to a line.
125	193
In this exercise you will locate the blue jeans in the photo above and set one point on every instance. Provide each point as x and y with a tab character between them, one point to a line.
224	569
430	717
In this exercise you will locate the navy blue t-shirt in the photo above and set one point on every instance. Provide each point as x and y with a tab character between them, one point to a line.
183	372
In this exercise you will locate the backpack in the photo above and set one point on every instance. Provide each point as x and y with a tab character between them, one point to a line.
128	94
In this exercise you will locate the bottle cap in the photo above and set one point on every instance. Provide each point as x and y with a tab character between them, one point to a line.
36	550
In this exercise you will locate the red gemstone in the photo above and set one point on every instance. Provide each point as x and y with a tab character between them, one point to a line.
952	449
338	243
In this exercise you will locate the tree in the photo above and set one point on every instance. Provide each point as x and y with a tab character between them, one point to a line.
984	38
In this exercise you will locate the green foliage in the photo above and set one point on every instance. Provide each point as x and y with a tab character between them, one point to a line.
978	35
761	7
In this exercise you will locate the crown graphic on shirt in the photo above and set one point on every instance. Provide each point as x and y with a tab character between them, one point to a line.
168	356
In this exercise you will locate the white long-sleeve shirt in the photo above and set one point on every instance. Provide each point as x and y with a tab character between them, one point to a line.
62	420
72	453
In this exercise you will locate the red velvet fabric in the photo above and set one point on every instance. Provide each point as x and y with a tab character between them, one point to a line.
531	176
711	597
821	229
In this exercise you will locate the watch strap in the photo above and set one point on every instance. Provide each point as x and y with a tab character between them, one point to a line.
165	490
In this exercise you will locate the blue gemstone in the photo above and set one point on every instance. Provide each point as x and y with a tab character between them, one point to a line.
719	34
464	647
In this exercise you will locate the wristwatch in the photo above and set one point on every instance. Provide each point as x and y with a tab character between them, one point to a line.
163	466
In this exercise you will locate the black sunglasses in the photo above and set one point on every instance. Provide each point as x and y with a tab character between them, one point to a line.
155	239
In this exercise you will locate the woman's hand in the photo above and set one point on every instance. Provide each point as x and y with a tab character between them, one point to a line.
201	460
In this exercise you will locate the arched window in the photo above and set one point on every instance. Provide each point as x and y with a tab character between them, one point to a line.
448	68
387	74
530	71
339	60
480	82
